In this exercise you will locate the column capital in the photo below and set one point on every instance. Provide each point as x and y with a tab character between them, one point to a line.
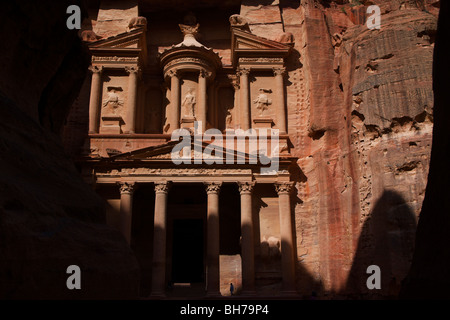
235	84
246	187
162	187
126	187
213	187
96	69
279	71
132	69
284	187
173	73
243	71
204	74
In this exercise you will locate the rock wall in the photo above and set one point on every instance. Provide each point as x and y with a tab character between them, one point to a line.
360	117
49	218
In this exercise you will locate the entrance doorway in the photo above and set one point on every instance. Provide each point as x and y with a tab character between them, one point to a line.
187	251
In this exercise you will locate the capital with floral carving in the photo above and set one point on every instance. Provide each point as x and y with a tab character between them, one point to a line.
246	187
126	187
243	71
173	73
284	187
204	74
279	71
96	69
162	187
213	187
132	69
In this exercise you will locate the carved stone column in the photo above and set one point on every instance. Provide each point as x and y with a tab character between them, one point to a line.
94	103
245	98
279	99
159	240
213	242
247	246
174	110
287	238
202	106
126	208
132	99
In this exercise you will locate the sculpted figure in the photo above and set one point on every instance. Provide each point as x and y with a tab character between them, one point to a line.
188	103
112	103
238	21
137	22
262	101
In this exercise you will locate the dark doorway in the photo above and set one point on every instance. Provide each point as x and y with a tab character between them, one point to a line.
187	253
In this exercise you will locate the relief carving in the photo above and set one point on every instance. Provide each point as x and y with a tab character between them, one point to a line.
238	21
270	247
115	58
112	104
263	101
137	22
262	60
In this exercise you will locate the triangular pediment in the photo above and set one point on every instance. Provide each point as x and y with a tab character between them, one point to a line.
132	39
196	150
245	43
246	40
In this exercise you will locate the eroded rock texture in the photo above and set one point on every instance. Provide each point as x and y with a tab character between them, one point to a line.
49	218
360	115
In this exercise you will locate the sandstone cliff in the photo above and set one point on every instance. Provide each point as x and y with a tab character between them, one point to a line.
360	114
49	218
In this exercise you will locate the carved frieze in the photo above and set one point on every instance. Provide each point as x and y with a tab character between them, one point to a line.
169	172
114	59
260	60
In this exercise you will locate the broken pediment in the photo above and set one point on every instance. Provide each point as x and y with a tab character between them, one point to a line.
127	47
134	38
244	44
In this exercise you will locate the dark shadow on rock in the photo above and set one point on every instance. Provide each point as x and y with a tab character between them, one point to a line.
387	241
429	276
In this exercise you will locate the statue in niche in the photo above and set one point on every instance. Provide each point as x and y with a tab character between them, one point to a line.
112	103
228	119
188	103
262	101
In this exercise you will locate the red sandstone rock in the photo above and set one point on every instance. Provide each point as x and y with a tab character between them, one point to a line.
49	218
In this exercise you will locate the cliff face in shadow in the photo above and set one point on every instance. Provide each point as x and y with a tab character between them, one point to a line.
387	241
429	276
49	218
